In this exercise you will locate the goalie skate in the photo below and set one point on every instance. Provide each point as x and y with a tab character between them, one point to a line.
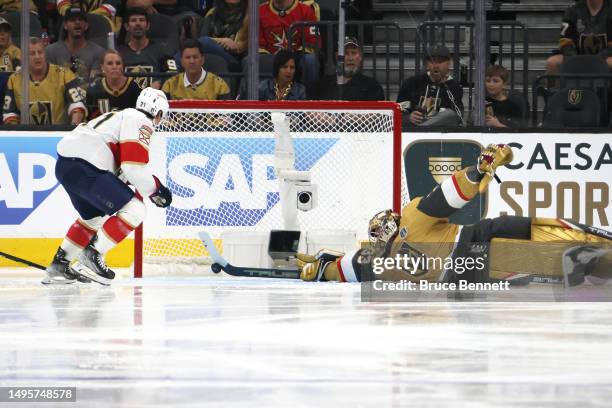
578	261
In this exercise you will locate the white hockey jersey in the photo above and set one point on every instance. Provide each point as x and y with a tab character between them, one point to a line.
115	141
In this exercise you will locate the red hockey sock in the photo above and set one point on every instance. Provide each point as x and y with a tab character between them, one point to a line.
114	231
80	234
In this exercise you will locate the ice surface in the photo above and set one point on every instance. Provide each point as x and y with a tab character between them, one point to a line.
226	342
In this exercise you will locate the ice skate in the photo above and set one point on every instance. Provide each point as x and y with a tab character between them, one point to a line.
59	273
91	265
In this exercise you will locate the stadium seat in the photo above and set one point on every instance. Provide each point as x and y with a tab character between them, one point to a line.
584	64
573	108
266	66
99	27
328	9
215	64
14	19
164	30
589	64
519	99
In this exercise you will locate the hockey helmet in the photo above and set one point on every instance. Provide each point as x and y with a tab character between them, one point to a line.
383	227
153	102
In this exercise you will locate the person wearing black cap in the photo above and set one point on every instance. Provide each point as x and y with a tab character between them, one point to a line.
107	8
10	55
432	98
356	87
76	53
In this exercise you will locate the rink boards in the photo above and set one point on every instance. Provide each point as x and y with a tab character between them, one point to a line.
553	175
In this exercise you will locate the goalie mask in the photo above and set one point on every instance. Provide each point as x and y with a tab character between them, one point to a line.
383	228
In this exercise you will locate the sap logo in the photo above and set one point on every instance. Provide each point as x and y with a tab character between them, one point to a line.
229	181
27	176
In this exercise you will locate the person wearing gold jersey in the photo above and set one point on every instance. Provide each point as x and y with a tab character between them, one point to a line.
195	82
10	55
55	97
510	248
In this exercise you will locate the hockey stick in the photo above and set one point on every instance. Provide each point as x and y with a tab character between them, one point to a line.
23	261
221	264
599	232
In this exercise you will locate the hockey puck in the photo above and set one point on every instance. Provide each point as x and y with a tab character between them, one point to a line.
216	268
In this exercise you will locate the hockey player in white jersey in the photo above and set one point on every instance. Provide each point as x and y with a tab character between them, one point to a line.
96	162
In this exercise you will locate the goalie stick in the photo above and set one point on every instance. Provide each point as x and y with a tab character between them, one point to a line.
221	264
23	261
599	232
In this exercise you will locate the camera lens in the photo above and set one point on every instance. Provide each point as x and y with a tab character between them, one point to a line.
304	197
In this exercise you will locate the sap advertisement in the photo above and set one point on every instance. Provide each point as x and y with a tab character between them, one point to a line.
553	175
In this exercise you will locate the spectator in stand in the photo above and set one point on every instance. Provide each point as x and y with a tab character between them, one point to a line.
114	91
183	14
7	6
10	55
55	96
356	87
141	54
501	110
586	29
284	85
76	53
432	98
107	8
195	82
225	31
275	17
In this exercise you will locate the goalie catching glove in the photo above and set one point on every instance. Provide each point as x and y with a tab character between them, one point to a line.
162	197
321	267
492	157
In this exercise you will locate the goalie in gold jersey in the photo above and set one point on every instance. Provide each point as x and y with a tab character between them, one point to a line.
504	248
55	97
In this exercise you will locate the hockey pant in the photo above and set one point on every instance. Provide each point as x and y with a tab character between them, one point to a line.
93	192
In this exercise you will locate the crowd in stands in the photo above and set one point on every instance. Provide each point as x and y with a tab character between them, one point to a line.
197	50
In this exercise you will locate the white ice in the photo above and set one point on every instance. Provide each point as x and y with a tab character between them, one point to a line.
228	342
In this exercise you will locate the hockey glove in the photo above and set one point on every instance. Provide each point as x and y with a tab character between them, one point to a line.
321	267
162	197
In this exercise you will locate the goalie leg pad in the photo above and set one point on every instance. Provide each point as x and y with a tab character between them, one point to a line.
322	267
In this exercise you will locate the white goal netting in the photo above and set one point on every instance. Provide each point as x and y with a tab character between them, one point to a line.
218	160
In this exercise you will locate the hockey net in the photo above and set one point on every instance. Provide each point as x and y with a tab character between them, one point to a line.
217	158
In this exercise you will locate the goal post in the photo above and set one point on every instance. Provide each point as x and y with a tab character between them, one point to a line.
217	158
